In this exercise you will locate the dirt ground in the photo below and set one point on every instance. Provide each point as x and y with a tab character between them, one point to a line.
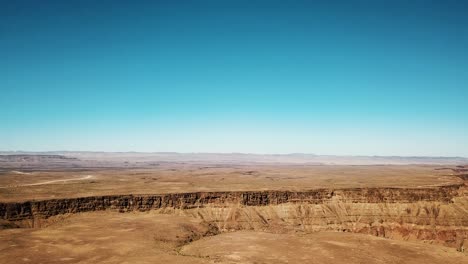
17	185
152	237
161	236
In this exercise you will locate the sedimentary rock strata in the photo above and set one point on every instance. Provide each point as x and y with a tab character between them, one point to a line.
435	214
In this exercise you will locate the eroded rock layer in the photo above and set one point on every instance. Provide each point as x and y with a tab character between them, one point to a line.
434	214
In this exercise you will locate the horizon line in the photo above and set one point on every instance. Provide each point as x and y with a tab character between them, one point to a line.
240	153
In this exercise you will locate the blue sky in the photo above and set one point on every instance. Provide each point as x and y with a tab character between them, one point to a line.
331	77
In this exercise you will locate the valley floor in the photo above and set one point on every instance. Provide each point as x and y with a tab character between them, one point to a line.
154	237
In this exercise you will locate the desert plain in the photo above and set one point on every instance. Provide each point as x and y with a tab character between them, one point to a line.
80	207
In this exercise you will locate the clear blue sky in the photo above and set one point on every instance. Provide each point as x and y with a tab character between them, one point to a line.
331	77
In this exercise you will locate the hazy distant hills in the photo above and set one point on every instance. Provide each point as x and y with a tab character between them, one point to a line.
77	158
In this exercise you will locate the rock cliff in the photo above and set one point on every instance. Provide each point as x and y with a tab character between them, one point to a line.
434	214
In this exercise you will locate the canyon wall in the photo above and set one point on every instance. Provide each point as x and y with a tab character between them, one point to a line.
47	208
434	214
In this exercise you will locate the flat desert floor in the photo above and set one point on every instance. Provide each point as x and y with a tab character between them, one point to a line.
23	185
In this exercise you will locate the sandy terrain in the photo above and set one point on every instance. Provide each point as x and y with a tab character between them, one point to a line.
103	237
363	213
320	247
87	177
173	178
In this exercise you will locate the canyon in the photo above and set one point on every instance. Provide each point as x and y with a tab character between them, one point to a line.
426	209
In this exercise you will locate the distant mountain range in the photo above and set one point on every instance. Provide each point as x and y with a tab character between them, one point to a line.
244	158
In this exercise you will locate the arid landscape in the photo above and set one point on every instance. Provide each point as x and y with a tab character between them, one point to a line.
231	208
246	131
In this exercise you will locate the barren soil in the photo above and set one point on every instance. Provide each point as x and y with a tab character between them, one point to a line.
152	237
177	178
85	210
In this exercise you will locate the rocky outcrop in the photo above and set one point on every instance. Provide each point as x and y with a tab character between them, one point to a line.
48	208
434	214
